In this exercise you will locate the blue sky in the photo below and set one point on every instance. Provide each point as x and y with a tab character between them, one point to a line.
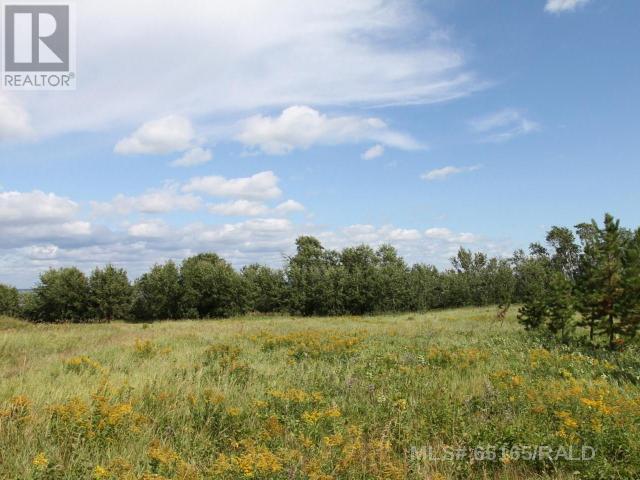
485	122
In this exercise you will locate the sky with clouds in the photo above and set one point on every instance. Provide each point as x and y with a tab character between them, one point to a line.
236	126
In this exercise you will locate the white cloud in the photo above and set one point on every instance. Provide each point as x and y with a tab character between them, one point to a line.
169	134
558	6
261	186
250	208
300	127
20	233
248	55
161	200
370	234
288	206
373	152
149	229
404	234
503	125
14	120
26	208
438	233
444	172
195	156
239	208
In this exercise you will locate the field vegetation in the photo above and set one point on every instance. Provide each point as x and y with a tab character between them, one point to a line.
318	398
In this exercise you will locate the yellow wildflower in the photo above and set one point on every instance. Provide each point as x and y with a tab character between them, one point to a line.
40	461
333	440
100	472
311	417
333	412
234	411
162	455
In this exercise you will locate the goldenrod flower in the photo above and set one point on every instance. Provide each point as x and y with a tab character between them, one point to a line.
40	461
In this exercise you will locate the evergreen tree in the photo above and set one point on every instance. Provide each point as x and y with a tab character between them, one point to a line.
630	305
600	279
532	280
560	306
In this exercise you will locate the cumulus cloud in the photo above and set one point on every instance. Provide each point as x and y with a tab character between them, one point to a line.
28	218
252	208
288	206
14	120
195	156
373	152
160	200
239	208
27	208
444	172
261	186
558	6
258	55
18	233
503	125
169	134
300	127
149	229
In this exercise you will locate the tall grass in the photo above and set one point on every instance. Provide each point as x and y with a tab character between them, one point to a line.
318	398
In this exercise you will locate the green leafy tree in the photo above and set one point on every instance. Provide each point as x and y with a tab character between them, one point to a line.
314	278
393	279
425	288
28	305
360	279
62	295
9	300
504	285
266	288
158	294
212	288
566	252
111	293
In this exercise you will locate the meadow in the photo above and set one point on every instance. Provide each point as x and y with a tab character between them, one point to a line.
445	394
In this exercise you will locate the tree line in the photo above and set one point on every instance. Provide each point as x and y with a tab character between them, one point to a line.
593	283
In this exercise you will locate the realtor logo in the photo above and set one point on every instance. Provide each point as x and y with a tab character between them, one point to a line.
38	47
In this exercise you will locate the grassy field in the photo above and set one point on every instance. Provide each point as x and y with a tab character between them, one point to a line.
386	397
